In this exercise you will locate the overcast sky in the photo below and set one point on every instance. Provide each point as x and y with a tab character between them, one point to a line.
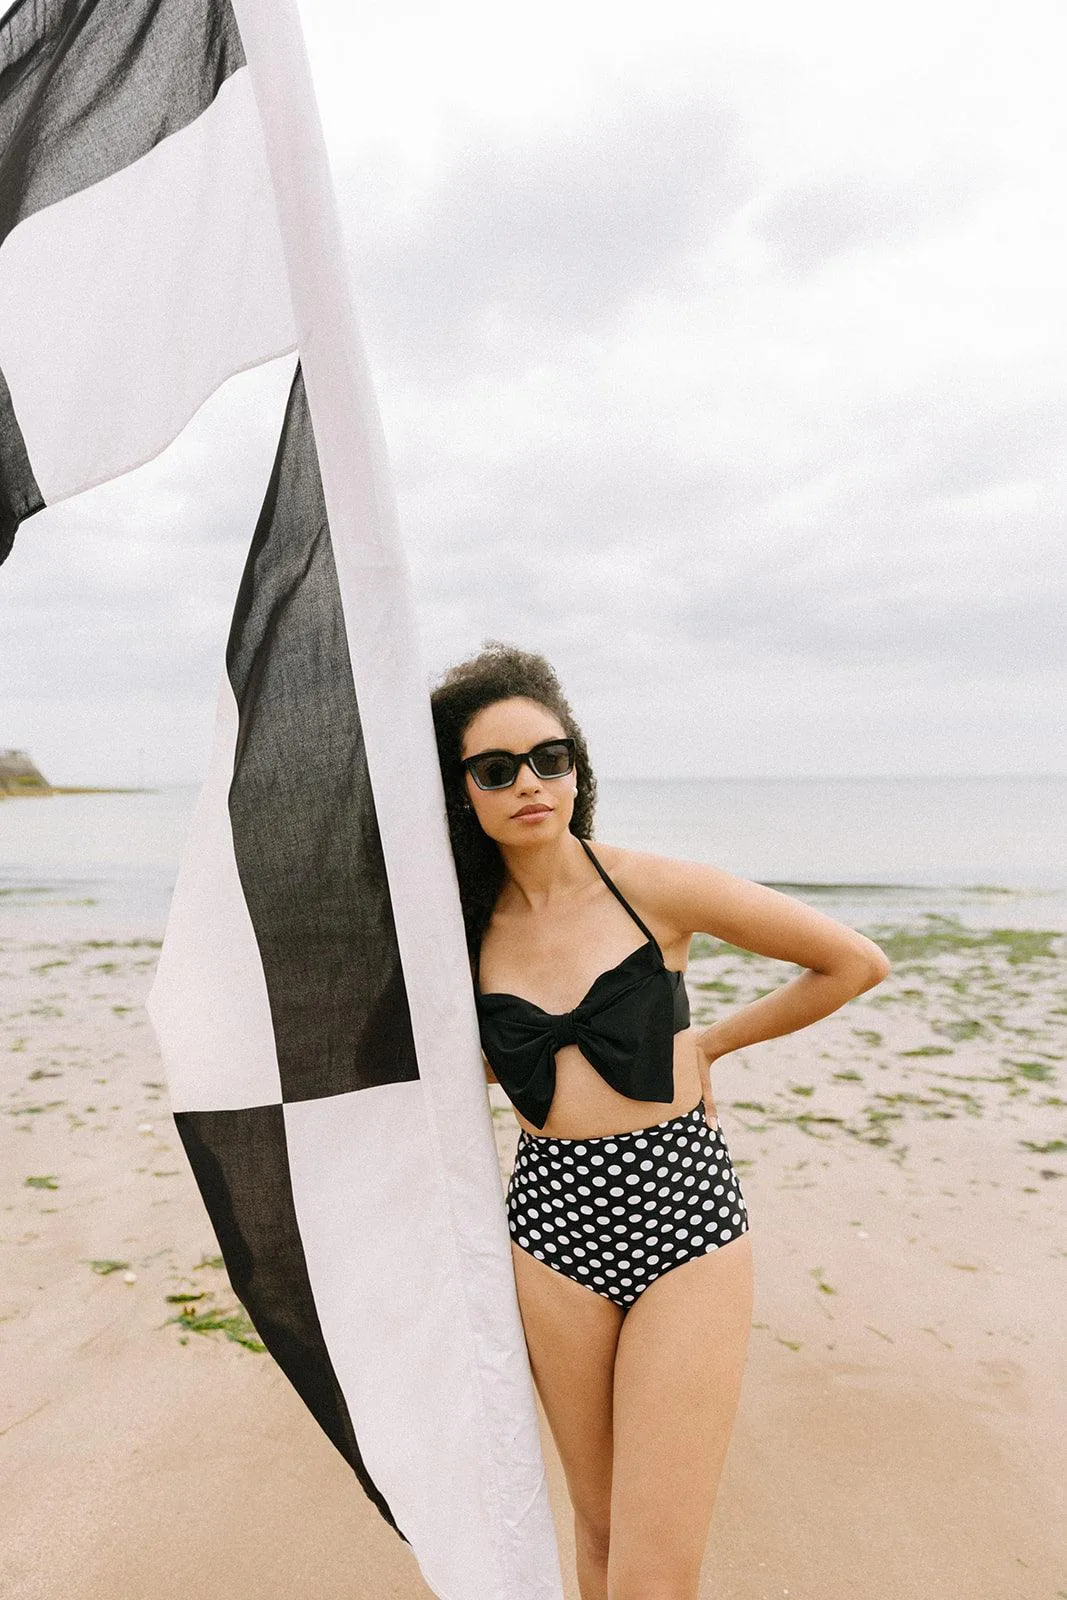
721	356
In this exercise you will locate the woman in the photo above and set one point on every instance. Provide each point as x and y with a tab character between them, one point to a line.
630	1240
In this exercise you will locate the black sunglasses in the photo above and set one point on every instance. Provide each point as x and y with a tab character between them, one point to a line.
498	769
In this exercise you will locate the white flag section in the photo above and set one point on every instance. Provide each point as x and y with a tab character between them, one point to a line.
167	218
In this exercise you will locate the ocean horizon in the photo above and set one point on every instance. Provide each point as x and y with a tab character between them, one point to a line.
870	851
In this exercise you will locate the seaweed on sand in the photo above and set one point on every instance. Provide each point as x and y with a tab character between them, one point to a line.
235	1324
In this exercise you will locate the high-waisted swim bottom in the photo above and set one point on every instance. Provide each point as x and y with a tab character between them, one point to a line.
616	1212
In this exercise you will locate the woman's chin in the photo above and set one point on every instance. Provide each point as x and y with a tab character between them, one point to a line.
537	829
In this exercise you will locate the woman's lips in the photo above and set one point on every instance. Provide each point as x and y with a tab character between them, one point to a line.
531	811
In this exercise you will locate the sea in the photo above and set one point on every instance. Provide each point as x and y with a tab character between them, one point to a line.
873	852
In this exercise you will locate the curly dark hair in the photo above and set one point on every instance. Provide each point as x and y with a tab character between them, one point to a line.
499	672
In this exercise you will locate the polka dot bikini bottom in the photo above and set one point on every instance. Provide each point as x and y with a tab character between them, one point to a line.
617	1212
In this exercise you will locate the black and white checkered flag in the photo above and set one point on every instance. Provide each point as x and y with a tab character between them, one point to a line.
167	220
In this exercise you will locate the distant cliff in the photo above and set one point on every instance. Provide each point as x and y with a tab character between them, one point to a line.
18	775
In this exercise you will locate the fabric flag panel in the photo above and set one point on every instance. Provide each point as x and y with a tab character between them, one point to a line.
167	220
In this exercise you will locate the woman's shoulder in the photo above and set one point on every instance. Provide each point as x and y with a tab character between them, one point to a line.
641	867
695	897
654	883
684	897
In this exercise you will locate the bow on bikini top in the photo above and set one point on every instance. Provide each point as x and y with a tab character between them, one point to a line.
624	1027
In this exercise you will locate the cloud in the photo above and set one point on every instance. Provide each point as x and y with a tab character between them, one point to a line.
807	224
526	235
889	541
965	430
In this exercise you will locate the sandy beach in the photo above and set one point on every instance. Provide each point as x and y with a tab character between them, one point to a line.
901	1427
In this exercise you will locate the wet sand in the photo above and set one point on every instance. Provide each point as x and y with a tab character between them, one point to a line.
900	1434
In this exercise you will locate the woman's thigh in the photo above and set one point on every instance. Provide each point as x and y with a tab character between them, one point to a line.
678	1370
571	1334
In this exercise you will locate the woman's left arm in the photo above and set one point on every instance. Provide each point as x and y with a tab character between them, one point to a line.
840	963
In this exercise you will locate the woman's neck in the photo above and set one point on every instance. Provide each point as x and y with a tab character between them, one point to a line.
543	873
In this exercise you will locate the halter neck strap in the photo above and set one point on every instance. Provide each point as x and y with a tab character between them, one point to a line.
649	935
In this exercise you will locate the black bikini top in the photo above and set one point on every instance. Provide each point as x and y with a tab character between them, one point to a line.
624	1027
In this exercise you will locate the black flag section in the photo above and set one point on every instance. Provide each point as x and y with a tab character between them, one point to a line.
89	86
19	495
240	1162
305	832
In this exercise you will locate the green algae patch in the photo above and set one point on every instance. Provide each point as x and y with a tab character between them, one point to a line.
961	1029
719	986
235	1324
706	944
945	935
1036	1071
